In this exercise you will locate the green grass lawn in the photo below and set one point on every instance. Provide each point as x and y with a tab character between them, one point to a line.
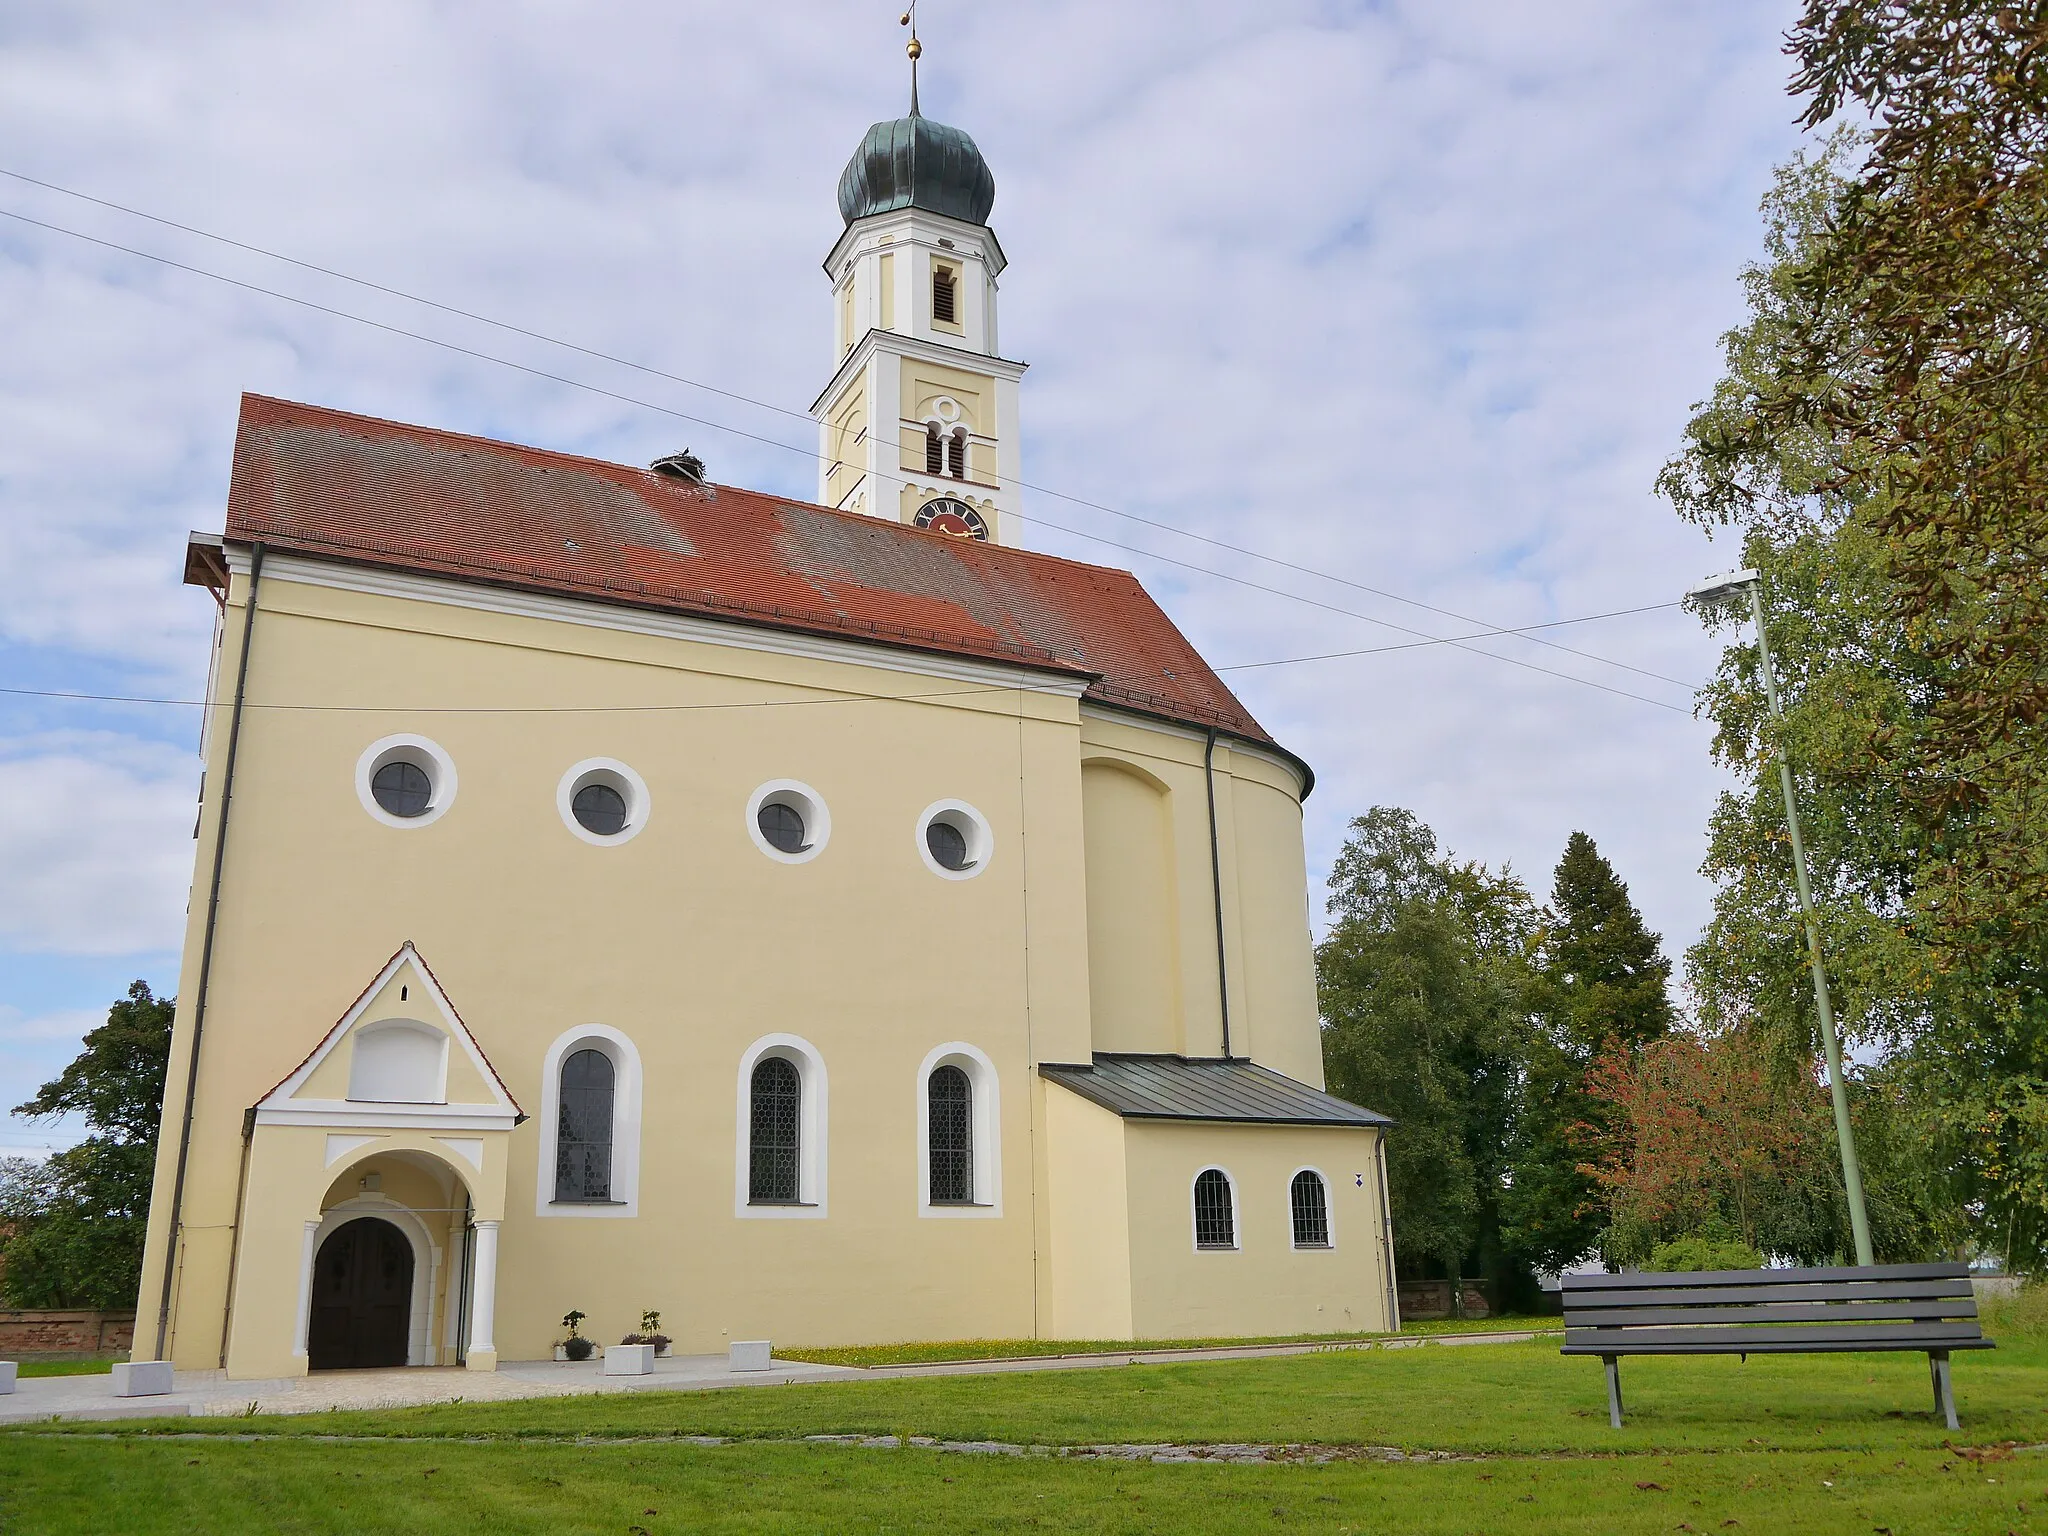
1784	1444
32	1368
1022	1349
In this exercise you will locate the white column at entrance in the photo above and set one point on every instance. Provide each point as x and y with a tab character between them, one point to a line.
483	1311
305	1319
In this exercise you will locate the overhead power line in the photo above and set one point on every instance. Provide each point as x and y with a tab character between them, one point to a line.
670	411
803	416
842	697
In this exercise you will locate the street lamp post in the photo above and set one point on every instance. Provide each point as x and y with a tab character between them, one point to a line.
1719	589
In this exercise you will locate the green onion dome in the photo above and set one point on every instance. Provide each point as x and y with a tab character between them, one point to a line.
914	162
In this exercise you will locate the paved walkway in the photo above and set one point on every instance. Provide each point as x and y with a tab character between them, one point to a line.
210	1393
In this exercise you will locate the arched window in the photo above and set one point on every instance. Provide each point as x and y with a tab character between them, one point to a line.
774	1136
583	1131
1309	1200
950	1129
1215	1217
956	453
944	309
934	455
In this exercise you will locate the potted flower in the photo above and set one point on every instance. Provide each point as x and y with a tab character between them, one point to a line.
650	1333
575	1346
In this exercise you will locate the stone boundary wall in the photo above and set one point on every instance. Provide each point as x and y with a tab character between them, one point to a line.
54	1331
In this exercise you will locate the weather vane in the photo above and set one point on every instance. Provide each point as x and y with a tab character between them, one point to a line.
915	50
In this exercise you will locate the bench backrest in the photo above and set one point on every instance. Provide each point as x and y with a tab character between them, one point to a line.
1900	1305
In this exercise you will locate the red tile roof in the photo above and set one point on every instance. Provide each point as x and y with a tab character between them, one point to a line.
370	492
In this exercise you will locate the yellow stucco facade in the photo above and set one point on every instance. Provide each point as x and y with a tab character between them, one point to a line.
685	952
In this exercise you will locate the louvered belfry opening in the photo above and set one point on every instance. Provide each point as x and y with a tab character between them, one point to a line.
583	1132
934	455
1311	1207
774	1137
950	1115
1215	1223
942	295
956	453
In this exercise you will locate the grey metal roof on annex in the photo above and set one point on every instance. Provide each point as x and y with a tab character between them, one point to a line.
1203	1088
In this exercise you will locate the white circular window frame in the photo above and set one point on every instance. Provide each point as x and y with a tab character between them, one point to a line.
808	804
604	770
422	753
981	839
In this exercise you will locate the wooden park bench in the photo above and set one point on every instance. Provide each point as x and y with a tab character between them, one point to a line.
1912	1307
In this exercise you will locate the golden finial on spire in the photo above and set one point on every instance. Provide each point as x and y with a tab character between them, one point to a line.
915	50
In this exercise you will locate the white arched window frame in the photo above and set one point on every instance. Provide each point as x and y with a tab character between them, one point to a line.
1329	1211
811	1144
625	1060
985	1117
1236	1215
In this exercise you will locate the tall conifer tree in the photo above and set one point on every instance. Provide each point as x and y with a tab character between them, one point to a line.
1600	988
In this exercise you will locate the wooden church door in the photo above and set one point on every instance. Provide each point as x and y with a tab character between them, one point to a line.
362	1297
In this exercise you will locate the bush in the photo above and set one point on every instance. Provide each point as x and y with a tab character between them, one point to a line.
2024	1311
1689	1255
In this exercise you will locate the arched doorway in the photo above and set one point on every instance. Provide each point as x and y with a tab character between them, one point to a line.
362	1297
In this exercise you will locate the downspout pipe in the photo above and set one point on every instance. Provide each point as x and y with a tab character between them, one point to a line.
1216	883
220	843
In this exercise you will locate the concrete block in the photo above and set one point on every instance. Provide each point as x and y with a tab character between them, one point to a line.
750	1355
142	1378
8	1372
629	1360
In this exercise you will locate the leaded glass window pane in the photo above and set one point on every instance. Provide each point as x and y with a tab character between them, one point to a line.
948	845
1214	1225
774	1136
600	809
950	1129
402	789
783	826
583	1131
1311	1207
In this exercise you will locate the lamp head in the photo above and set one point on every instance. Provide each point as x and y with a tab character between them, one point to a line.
1716	590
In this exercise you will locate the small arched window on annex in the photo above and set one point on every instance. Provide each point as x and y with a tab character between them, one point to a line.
959	1133
1215	1211
589	1163
1308	1209
779	1142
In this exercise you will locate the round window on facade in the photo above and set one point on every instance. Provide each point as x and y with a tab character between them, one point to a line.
954	840
601	809
402	788
783	825
405	781
788	821
602	801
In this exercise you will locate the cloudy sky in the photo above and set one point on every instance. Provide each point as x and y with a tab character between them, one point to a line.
1412	297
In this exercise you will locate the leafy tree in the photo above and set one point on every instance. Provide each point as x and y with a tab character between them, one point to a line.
1921	828
1709	1145
1600	988
1423	983
77	1220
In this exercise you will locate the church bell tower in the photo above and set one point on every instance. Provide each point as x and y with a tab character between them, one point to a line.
919	421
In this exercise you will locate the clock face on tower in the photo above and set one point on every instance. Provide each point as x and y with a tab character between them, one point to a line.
949	514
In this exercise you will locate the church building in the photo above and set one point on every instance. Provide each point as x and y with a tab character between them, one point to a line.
617	892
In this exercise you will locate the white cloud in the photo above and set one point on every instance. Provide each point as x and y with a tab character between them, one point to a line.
1417	294
95	843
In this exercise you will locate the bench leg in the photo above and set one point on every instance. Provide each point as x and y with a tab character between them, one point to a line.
1613	1391
1944	1389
